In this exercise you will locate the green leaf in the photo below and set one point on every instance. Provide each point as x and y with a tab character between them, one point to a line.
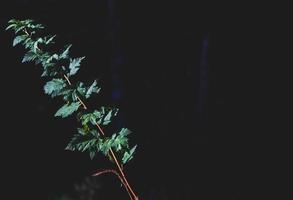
108	118
11	26
81	143
104	146
67	109
65	53
81	89
92	154
52	58
12	21
124	132
39	41
54	87
42	59
128	155
67	95
19	39
34	26
92	89
19	29
121	141
90	118
28	43
74	65
86	130
49	40
29	56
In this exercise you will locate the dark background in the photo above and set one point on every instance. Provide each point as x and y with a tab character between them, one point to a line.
189	79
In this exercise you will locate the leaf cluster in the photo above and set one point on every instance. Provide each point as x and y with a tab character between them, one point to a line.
58	67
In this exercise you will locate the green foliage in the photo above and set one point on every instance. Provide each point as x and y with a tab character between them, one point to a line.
103	116
58	66
19	39
90	140
128	155
74	65
54	87
92	89
30	56
67	109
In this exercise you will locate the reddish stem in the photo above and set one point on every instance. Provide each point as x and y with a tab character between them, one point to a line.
125	182
104	171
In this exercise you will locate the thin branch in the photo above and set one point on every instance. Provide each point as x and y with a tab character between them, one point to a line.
78	98
123	178
83	105
118	165
104	171
125	183
25	31
67	79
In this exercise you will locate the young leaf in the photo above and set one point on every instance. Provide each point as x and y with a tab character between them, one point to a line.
93	153
81	89
104	146
12	21
92	118
92	89
128	155
49	40
121	141
74	65
108	118
65	53
67	109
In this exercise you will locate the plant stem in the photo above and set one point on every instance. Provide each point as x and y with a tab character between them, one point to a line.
100	172
123	179
125	182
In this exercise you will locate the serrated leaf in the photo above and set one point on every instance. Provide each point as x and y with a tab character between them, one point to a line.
90	118
124	132
51	58
128	155
104	146
67	95
29	56
81	89
92	89
65	53
50	40
19	39
110	115
120	142
74	65
67	109
34	26
54	87
82	143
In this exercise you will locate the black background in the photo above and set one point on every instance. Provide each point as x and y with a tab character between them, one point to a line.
148	56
